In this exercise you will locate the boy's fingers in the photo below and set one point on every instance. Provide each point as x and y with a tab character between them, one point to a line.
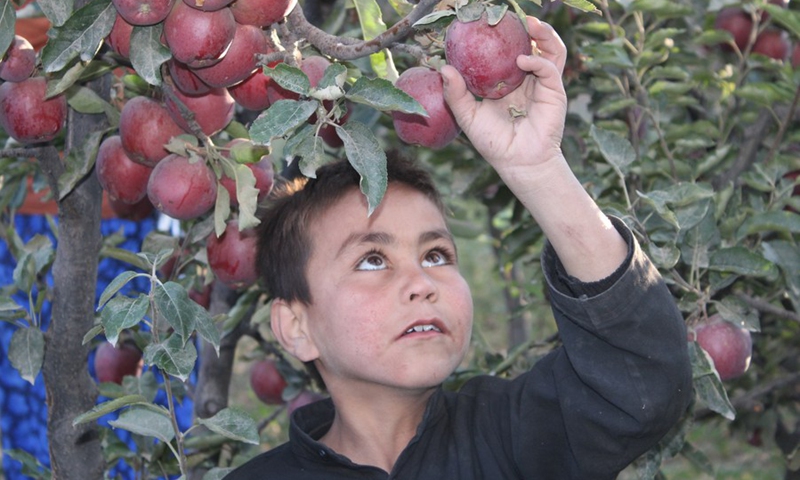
546	72
458	98
548	42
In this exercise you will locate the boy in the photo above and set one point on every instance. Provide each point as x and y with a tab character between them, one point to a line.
378	305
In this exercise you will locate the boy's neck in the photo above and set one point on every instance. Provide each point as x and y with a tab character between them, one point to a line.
374	429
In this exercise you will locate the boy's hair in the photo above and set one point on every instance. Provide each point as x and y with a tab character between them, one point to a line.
284	244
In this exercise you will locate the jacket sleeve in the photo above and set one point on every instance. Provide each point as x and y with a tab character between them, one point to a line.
619	382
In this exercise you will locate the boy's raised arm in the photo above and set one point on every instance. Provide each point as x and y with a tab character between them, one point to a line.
520	136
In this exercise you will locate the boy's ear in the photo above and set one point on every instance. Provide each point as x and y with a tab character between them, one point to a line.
289	324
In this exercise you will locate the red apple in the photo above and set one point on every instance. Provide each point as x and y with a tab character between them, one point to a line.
135	212
123	179
26	116
440	127
212	110
112	364
328	132
240	60
301	400
773	43
201	296
738	23
120	37
261	13
232	256
796	55
262	170
486	56
182	189
267	382
251	93
19	61
208	5
143	12
198	38
729	345
185	79
145	126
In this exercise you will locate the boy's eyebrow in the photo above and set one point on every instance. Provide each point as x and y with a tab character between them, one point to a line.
384	238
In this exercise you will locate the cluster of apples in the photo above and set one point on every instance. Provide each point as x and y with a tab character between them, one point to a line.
771	41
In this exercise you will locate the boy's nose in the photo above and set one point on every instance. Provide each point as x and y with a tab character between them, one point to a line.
420	286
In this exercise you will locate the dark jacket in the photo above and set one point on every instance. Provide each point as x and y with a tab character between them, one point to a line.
620	381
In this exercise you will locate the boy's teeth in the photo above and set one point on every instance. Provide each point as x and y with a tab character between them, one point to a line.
423	328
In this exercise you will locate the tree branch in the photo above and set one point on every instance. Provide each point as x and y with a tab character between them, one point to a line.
767	307
350	49
747	154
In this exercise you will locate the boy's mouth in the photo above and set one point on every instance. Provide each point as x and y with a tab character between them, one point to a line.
423	326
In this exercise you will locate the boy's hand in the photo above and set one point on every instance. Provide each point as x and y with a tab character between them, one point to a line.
525	127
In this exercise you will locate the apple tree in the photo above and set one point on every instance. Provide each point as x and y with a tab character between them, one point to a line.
683	122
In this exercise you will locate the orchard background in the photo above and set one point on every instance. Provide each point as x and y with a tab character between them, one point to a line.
683	122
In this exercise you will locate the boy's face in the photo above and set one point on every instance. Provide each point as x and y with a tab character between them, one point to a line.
390	307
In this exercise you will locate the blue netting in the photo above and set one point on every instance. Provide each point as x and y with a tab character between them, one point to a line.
23	413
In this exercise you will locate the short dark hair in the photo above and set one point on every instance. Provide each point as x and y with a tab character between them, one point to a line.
284	245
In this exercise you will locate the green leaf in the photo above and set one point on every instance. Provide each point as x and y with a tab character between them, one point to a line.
57	11
382	95
247	195
432	18
31	467
312	155
707	383
735	311
86	100
370	18
607	54
331	86
234	424
174	304
217	473
662	8
115	286
72	75
149	53
108	407
8	17
616	149
665	257
765	93
290	78
697	458
146	422
366	155
222	210
788	18
10	309
78	163
584	5
173	356
80	36
281	118
26	352
206	327
781	221
121	313
742	261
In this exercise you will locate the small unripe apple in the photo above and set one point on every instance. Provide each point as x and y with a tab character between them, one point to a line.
486	55
19	61
232	256
112	364
143	12
440	127
123	179
182	189
267	382
729	345
198	38
26	115
261	13
145	127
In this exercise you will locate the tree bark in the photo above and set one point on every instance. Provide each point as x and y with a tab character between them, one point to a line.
75	451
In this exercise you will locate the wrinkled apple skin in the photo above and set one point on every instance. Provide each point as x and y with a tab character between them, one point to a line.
730	346
143	12
198	38
239	61
251	93
26	116
261	13
123	179
213	110
440	127
145	126
486	56
19	61
181	189
232	256
112	364
267	382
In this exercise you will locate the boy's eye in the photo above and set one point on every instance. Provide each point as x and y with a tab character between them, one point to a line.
437	257
372	261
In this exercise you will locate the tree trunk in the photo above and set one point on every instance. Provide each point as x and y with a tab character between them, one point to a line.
75	451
